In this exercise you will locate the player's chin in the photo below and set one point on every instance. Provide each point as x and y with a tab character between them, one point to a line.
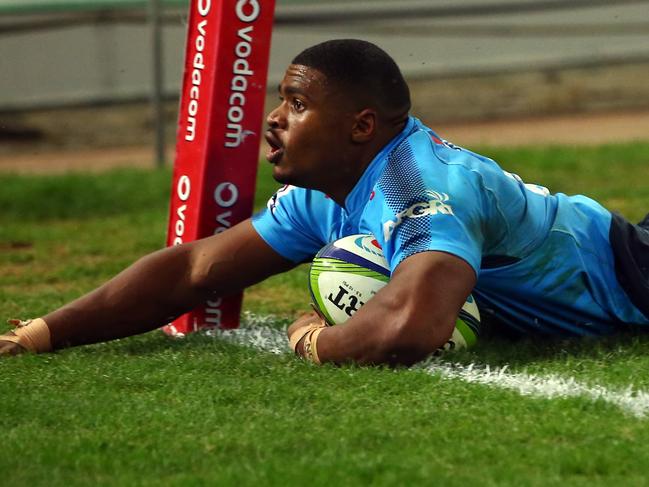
286	173
281	175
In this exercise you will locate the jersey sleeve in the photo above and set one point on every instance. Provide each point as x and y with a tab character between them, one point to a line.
290	222
430	204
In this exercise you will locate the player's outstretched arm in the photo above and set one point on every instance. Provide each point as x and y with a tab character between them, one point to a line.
160	287
410	318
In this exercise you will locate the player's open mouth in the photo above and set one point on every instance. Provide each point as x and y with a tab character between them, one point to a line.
276	151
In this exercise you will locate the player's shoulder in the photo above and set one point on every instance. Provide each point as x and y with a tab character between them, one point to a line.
424	146
420	154
427	175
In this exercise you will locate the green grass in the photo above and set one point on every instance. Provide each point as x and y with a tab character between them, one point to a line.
153	411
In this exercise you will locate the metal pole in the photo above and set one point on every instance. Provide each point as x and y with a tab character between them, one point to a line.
157	88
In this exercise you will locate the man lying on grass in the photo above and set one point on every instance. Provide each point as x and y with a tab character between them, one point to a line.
450	223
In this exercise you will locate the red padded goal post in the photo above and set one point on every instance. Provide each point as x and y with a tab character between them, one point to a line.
219	132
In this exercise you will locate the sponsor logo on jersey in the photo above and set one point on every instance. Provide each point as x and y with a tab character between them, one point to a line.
445	142
273	202
435	204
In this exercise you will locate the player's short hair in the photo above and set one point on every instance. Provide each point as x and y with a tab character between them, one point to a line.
362	69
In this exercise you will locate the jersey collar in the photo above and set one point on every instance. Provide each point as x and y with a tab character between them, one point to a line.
360	194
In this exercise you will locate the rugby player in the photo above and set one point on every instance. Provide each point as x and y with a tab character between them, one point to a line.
450	222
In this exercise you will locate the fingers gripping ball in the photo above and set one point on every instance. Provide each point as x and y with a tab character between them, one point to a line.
345	274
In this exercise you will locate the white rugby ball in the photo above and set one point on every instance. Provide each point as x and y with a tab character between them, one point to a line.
345	274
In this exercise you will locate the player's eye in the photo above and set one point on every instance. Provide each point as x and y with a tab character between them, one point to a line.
298	105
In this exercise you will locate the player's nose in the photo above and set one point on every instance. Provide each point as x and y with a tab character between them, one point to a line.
275	119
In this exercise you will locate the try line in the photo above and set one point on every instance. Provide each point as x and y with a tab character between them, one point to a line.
257	332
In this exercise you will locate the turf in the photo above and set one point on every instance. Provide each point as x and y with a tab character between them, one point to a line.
149	410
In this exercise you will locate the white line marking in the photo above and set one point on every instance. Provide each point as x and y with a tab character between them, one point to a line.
550	386
257	332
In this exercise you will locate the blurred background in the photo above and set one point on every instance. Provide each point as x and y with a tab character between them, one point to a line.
77	76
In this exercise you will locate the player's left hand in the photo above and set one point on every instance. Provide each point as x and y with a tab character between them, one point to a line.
8	345
28	336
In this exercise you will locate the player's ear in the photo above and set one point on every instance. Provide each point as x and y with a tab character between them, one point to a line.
364	128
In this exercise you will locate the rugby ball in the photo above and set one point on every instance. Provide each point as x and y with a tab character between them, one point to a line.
347	273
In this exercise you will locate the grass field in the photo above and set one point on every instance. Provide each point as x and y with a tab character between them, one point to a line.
207	411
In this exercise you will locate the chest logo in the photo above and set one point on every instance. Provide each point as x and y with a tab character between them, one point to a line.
434	204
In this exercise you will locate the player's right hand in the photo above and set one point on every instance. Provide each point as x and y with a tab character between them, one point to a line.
8	346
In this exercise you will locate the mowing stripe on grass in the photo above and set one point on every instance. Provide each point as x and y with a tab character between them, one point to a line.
258	332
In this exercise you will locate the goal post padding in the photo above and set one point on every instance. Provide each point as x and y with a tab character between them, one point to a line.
219	132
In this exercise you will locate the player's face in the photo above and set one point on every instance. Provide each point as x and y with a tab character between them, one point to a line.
308	132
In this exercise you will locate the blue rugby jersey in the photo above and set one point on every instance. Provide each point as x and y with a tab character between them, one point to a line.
544	262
